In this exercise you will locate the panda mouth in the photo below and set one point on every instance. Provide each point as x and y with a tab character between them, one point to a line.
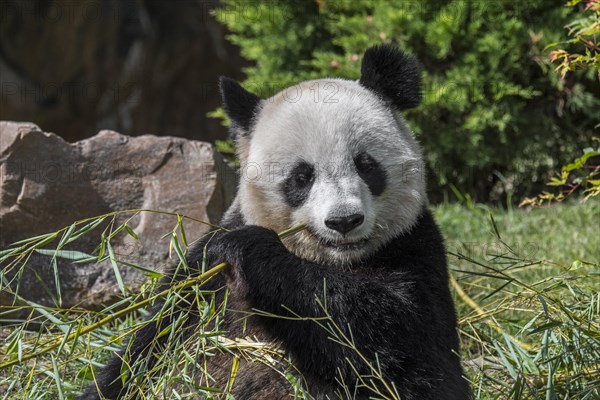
345	245
340	244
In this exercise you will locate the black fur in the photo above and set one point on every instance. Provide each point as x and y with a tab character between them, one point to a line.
371	172
296	186
239	104
392	74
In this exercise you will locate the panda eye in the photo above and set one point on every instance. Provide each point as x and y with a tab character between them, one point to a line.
303	175
364	163
303	179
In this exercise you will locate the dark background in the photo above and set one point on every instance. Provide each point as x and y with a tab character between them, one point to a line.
136	66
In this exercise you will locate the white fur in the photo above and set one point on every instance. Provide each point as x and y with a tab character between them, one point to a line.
329	134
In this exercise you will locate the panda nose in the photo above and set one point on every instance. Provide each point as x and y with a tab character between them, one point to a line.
345	224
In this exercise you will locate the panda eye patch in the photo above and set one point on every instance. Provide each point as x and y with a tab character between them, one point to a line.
296	187
371	173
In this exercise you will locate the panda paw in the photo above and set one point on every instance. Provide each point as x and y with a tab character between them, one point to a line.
244	249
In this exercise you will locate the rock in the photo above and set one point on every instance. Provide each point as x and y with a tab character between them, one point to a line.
47	184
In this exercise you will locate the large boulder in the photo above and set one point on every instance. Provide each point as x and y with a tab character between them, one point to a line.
47	184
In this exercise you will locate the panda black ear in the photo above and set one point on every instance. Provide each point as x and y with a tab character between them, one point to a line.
393	74
239	104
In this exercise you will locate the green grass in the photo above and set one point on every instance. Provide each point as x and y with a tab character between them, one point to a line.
526	285
562	233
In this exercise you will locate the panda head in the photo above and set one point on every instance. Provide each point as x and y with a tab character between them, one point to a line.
332	154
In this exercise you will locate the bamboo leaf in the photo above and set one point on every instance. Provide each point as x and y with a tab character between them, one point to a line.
66	236
113	262
85	229
131	232
66	254
57	378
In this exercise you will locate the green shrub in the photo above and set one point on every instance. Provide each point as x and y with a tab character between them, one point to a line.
581	175
583	30
495	116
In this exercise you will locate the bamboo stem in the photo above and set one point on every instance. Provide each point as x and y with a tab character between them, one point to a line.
109	318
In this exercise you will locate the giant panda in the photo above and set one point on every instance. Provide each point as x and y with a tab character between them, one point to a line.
371	257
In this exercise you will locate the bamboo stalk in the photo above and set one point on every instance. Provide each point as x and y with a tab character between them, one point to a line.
179	286
471	303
